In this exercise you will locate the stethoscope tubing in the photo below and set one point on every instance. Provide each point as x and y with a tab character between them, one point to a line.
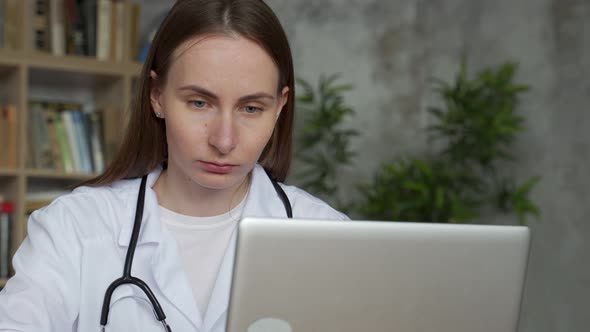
128	279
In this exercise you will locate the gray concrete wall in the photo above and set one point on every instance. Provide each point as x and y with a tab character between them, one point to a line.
390	49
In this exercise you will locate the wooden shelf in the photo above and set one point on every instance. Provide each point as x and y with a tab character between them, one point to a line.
29	75
49	174
9	172
10	57
71	63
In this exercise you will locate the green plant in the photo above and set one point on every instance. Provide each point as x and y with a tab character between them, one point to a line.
417	190
322	145
476	126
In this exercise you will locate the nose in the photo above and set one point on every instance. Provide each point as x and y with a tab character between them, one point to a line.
222	133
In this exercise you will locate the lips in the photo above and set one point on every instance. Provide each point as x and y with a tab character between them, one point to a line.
218	168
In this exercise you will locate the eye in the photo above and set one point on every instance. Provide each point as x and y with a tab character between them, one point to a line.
198	103
252	109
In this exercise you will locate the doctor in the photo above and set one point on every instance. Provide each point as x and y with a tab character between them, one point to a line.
213	115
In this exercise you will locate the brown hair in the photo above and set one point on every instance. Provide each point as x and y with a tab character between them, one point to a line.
144	144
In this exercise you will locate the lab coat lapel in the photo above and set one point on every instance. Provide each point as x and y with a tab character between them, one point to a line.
166	266
172	280
150	226
262	201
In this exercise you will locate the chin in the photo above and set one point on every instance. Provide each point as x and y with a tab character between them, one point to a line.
218	181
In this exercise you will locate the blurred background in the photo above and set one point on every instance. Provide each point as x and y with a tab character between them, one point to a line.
394	97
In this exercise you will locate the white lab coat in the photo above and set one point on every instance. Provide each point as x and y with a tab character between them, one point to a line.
76	247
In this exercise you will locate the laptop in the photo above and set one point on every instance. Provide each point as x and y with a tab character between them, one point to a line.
352	276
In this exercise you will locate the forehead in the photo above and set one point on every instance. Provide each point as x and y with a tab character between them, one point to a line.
223	61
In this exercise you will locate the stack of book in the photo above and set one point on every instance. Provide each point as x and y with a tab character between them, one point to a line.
86	27
6	217
8	138
63	138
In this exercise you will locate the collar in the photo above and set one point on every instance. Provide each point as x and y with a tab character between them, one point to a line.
262	201
151	230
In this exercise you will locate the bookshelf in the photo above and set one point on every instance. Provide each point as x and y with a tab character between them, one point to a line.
28	74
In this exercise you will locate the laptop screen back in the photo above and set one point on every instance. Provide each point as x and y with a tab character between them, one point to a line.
305	275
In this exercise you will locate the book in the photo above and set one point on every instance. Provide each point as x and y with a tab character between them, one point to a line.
134	12
68	121
49	117
2	23
9	139
3	138
64	145
75	28
111	132
6	215
103	29
89	16
39	144
41	25
83	141
11	24
96	139
32	151
80	42
121	22
56	22
114	23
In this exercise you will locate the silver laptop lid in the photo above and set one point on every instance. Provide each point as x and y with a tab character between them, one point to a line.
304	275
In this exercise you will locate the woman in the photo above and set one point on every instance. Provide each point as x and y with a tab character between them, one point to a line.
213	115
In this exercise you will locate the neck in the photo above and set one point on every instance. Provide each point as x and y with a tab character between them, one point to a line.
186	197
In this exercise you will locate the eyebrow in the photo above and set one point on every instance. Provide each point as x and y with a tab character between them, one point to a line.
211	95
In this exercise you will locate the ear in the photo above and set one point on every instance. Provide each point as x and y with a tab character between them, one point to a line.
283	98
156	93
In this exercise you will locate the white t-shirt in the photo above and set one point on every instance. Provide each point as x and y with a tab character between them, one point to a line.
202	242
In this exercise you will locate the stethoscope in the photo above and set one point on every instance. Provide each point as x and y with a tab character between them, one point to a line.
128	279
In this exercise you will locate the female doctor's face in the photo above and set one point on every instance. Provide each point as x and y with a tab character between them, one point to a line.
220	103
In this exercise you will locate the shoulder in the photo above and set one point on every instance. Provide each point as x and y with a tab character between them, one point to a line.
307	206
87	199
87	211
